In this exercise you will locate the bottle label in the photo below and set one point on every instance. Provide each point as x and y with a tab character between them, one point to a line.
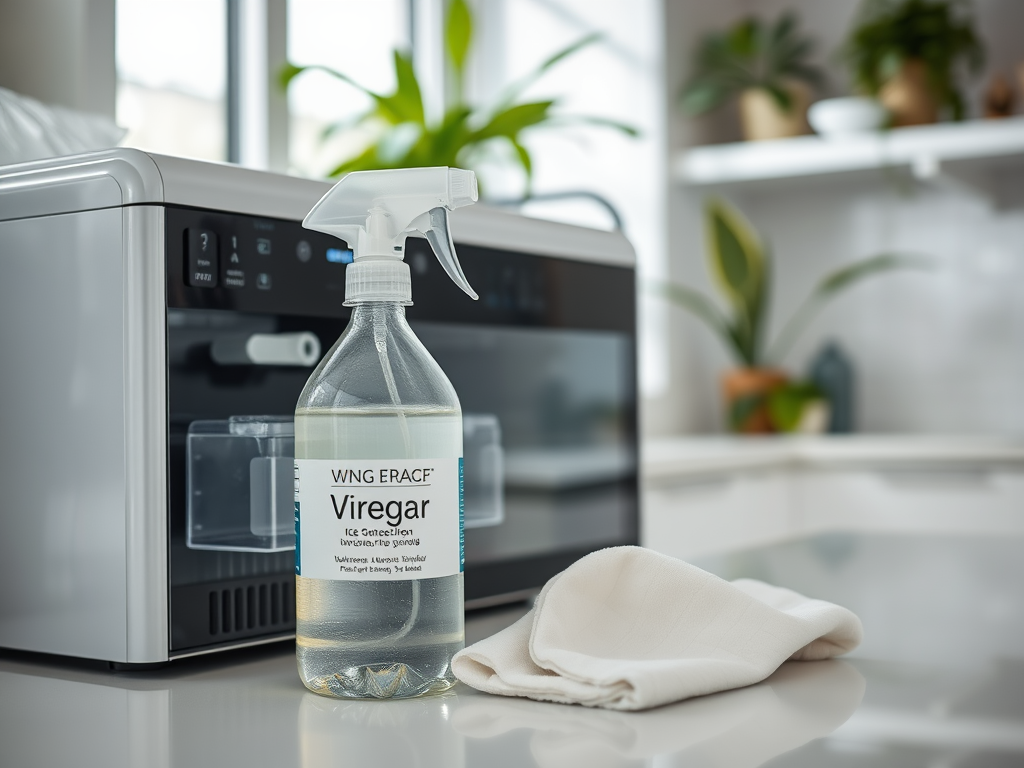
378	520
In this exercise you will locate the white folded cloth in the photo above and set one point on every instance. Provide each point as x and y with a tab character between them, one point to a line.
627	628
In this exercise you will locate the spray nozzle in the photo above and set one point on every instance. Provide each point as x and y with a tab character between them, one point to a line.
374	212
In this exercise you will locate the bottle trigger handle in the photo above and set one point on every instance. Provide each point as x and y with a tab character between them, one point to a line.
433	225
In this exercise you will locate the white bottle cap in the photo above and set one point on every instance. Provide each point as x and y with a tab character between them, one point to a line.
373	279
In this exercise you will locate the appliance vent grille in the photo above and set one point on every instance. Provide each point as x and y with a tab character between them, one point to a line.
243	609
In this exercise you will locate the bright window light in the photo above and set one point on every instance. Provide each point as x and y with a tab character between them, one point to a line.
172	76
356	38
619	78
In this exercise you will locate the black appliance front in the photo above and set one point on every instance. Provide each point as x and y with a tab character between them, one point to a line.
546	356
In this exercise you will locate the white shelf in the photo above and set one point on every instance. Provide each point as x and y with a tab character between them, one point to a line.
922	149
668	458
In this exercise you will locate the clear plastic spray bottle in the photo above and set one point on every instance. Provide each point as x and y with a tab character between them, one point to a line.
378	458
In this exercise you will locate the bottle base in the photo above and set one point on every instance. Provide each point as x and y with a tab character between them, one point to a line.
379	681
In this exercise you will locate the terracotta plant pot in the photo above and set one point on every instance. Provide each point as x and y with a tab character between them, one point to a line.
753	383
763	119
908	96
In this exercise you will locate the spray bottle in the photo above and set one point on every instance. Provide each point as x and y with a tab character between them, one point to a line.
378	457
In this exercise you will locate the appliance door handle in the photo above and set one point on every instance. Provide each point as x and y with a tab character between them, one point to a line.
299	349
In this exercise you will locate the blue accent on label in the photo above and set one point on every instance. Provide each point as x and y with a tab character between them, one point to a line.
462	525
298	540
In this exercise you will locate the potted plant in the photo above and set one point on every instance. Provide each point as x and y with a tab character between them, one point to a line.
766	66
758	394
405	138
907	52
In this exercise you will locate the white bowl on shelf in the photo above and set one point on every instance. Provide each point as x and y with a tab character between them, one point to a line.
847	115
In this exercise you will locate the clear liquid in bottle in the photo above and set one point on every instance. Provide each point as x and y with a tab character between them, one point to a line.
379	638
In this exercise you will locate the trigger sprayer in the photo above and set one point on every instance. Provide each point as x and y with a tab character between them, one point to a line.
374	212
378	457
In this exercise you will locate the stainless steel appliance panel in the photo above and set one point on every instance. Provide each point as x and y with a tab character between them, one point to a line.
62	421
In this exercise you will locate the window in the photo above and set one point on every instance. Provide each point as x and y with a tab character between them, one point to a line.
172	76
351	36
620	78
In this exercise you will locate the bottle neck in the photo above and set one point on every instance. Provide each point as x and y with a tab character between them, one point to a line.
367	314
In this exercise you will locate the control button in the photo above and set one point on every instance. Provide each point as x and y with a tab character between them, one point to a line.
263	246
234	278
263	281
420	263
202	260
304	251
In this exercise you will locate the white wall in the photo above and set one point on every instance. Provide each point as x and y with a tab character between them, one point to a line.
60	52
934	352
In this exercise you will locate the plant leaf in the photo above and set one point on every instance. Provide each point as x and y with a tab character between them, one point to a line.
458	34
701	306
397	143
526	161
393	109
749	54
464	135
851	273
786	404
759	310
451	136
511	92
289	72
735	254
742	40
509	122
781	96
344	125
367	160
832	284
784	28
407	101
701	96
603	122
737	263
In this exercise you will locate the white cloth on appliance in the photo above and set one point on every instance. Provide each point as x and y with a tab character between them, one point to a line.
627	628
31	130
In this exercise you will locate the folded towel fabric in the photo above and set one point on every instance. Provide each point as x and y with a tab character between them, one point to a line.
627	628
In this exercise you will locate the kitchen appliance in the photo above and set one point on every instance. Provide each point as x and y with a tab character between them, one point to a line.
159	318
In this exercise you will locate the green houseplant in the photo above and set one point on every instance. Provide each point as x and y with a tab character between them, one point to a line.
758	395
907	52
765	65
405	138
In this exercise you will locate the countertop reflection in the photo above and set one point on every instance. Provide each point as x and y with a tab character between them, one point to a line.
249	708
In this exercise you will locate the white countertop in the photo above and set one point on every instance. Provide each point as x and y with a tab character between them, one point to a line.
252	710
954	700
668	457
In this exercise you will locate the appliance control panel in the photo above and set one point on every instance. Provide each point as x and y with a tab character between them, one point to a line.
242	263
246	263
